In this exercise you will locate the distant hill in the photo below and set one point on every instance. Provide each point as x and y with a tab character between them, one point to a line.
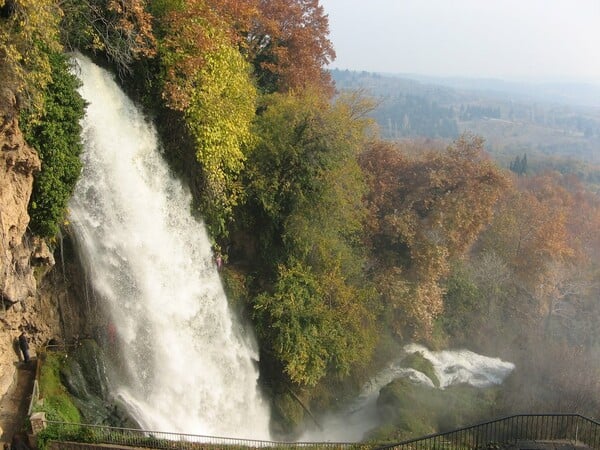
561	92
553	119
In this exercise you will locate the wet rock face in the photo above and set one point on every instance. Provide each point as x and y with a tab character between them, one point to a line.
85	376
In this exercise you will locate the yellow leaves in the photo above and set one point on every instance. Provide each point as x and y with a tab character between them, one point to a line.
26	38
219	112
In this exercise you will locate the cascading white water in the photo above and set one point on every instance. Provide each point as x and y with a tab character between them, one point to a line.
464	366
191	367
451	367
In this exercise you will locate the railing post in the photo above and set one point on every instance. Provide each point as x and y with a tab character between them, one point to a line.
38	422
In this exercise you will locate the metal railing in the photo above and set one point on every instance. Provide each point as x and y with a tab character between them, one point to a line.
98	434
494	434
571	428
35	397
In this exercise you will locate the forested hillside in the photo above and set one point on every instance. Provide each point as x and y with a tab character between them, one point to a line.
556	130
338	246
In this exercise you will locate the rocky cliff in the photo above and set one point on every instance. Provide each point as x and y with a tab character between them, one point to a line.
20	306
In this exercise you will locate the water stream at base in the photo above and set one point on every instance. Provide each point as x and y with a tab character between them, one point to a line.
451	367
188	365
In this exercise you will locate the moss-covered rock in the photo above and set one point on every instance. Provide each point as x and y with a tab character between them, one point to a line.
403	409
288	414
418	362
76	385
57	403
409	410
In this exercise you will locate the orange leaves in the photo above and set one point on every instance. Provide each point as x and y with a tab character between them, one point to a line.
444	198
427	210
530	230
135	24
289	45
541	224
285	40
186	41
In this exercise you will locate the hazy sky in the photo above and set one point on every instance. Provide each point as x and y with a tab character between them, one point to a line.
525	39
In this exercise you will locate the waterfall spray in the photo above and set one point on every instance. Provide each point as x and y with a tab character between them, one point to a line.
190	365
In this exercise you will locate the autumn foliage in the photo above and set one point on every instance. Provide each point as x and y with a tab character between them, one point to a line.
289	45
121	30
426	211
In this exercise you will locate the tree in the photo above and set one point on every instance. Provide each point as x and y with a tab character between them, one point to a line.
28	33
519	165
313	307
426	211
542	232
289	47
302	142
219	117
313	325
119	29
187	33
205	77
529	233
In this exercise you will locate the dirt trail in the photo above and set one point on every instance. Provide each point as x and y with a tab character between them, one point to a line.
14	405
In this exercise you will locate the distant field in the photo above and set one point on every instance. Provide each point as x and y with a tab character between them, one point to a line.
506	139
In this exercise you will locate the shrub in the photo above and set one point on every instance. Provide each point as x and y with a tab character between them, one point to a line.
57	139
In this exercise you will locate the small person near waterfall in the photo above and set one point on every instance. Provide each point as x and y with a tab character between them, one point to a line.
24	346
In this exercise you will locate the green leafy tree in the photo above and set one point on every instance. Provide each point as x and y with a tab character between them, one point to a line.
311	324
56	137
301	142
462	305
305	201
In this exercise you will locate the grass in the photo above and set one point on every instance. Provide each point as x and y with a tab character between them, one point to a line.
57	403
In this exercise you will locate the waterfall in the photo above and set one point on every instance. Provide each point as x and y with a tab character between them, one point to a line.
188	364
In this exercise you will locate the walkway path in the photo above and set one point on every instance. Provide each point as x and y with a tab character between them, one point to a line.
14	405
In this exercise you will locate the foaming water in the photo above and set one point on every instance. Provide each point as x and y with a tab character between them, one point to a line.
464	366
451	367
190	366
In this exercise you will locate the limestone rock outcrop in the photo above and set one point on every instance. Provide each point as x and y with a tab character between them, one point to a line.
18	165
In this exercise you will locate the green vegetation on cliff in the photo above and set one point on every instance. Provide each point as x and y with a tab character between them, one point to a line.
57	138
